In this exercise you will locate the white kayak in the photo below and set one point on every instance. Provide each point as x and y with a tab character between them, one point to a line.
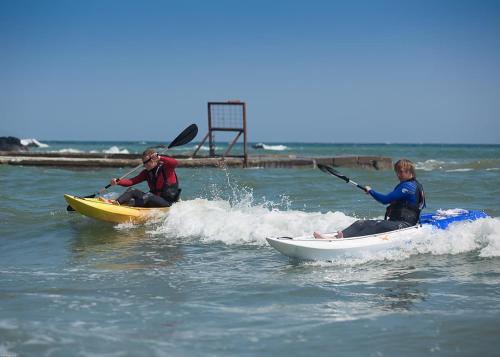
309	248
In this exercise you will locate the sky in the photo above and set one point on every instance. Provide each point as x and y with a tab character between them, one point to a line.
309	71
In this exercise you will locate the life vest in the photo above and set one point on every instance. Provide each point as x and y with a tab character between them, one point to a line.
169	192
404	211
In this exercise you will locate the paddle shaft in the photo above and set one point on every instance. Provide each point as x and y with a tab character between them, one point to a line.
330	170
357	185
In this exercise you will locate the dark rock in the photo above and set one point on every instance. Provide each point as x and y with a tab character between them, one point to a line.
10	143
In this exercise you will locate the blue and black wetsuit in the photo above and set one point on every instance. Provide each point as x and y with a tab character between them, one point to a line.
405	203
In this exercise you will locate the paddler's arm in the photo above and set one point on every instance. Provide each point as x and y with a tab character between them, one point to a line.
129	182
395	195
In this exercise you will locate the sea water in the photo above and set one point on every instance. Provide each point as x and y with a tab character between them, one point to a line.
203	281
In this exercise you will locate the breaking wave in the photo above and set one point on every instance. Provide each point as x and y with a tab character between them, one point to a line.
245	221
270	147
454	166
70	150
33	142
115	150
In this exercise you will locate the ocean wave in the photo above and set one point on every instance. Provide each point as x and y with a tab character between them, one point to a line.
429	165
70	150
270	147
276	147
202	148
33	142
246	222
454	166
220	220
115	150
460	170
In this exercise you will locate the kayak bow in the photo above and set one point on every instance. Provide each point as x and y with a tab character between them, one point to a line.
105	211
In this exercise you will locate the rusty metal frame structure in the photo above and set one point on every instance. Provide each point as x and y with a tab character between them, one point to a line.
213	128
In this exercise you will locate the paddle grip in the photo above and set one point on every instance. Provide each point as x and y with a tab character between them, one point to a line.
363	188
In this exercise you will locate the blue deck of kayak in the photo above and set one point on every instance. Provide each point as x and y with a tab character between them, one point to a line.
442	221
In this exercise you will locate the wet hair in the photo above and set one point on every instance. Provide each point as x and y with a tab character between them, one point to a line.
406	165
148	152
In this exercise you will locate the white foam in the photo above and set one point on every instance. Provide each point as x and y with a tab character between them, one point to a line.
445	213
275	147
482	235
70	150
245	222
219	220
202	148
429	165
34	142
459	170
115	150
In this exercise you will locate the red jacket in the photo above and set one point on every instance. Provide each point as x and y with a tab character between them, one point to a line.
167	164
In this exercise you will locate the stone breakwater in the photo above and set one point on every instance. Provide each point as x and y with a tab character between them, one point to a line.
55	159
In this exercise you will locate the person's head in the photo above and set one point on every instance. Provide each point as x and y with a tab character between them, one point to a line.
150	159
405	169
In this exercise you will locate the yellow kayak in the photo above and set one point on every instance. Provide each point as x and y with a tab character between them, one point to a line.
109	212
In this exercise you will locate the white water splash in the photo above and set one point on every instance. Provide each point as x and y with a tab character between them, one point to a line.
202	148
112	150
33	142
429	165
270	147
115	150
245	222
232	215
219	220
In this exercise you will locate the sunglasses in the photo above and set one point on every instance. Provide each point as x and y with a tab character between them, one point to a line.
146	161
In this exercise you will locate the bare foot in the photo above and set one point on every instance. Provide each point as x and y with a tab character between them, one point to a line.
318	235
113	202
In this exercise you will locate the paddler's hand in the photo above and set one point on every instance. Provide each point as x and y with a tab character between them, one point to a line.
367	189
114	181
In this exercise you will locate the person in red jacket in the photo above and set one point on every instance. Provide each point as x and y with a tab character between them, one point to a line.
159	172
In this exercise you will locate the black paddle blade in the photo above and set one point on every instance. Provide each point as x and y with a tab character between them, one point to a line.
185	137
324	168
330	170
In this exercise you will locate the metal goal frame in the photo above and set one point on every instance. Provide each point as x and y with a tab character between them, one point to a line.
227	116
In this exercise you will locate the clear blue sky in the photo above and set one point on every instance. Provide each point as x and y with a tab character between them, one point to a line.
310	71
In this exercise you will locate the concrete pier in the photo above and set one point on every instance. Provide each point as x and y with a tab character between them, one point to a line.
131	160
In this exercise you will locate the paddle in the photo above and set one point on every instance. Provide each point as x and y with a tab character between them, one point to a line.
183	138
330	170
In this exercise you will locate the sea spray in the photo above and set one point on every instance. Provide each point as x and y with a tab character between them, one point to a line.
218	220
481	237
230	213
